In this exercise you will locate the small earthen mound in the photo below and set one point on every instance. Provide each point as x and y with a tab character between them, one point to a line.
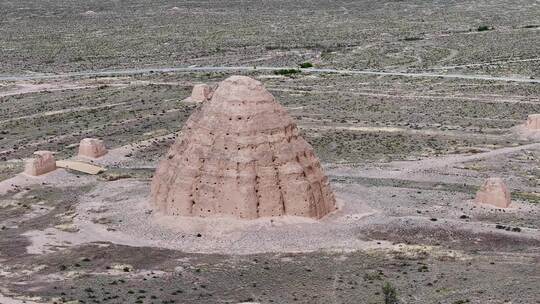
533	122
201	93
43	162
92	148
494	192
89	14
241	155
174	10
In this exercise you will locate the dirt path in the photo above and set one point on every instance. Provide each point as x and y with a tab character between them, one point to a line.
412	170
461	134
436	163
26	88
57	112
247	68
485	63
398	95
22	87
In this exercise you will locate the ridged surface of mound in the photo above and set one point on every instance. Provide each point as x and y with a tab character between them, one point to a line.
533	122
43	162
241	155
92	148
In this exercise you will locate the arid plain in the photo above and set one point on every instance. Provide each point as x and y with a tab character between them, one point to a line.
409	105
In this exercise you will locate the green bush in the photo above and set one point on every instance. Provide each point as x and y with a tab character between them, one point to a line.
482	28
390	294
286	72
306	65
413	38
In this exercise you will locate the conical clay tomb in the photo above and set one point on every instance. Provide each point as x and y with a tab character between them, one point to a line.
241	155
494	192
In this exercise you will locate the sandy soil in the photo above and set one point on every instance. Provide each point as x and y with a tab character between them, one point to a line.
118	212
57	178
9	300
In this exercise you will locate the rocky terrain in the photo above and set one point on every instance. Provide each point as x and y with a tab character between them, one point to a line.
485	37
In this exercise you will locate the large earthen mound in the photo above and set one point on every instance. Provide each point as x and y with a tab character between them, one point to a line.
241	155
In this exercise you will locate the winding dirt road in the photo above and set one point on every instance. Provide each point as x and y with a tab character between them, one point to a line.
123	72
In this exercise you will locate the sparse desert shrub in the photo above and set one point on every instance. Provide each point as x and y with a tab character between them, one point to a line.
482	28
274	47
371	276
326	54
306	65
423	268
286	72
529	197
390	294
112	176
413	38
